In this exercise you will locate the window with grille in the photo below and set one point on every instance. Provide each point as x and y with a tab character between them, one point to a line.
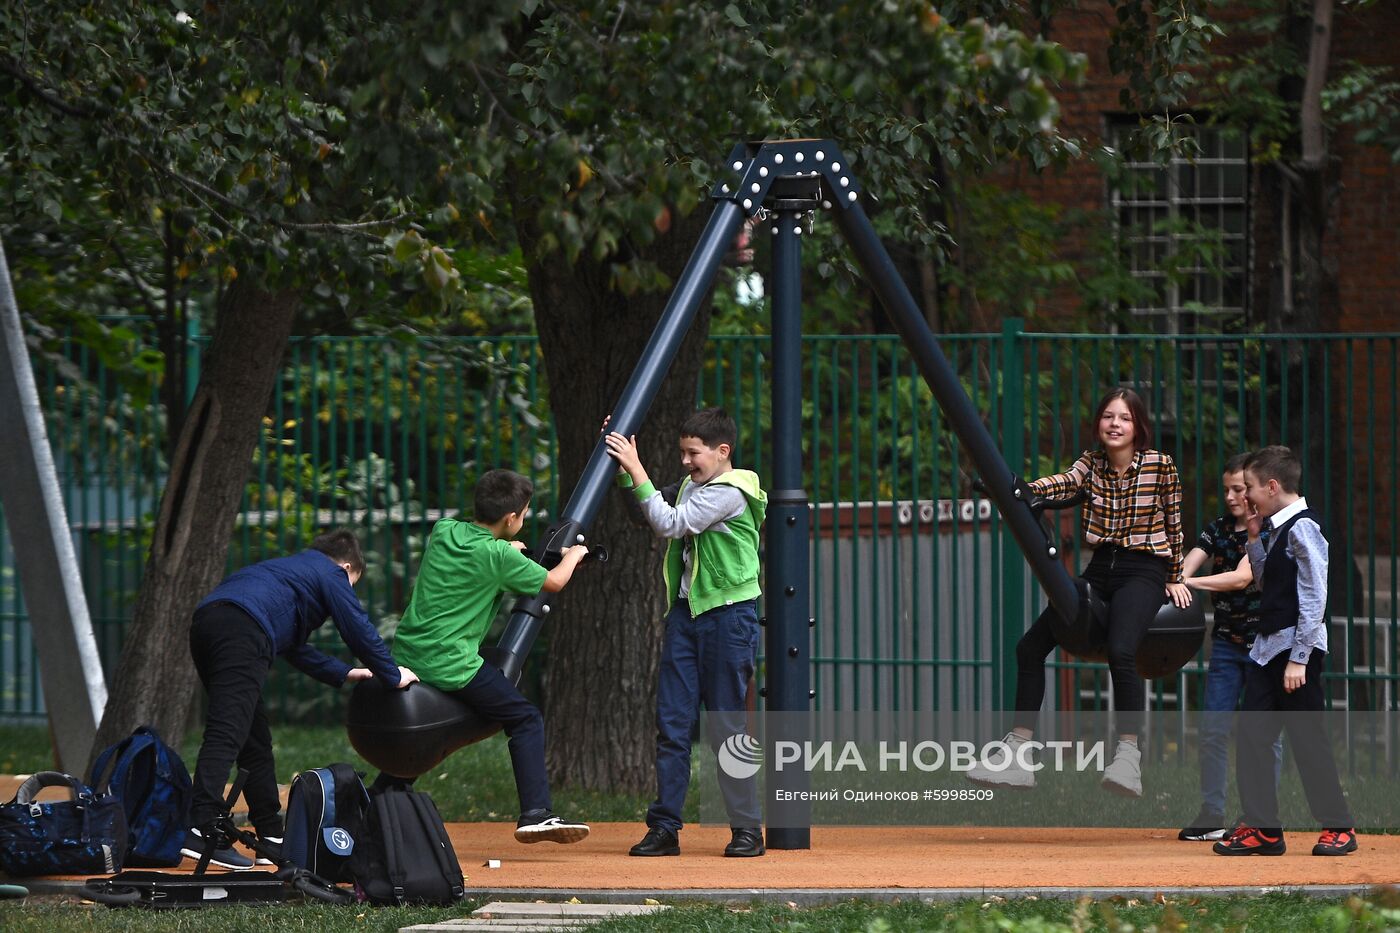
1183	228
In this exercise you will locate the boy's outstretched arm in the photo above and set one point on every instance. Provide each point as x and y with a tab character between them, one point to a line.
406	676
1239	578
1195	560
560	574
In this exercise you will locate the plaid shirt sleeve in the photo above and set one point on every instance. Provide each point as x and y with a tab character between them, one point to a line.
1171	516
1060	485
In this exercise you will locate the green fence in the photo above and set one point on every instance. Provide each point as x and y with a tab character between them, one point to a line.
917	596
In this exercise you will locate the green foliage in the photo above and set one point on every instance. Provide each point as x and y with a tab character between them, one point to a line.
1153	44
1245	86
1367	100
1012	247
599	148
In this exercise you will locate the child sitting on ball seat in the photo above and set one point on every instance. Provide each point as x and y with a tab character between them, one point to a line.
467	567
1133	522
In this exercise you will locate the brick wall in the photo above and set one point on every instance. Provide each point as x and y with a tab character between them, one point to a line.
1362	246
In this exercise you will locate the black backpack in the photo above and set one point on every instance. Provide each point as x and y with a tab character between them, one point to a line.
325	819
404	855
150	780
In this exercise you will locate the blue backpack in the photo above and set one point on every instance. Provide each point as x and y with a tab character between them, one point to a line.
85	833
325	816
150	780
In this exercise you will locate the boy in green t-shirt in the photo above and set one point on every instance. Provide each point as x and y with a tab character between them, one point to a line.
466	568
712	522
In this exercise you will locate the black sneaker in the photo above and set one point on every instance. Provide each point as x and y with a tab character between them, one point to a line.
270	850
1206	827
224	855
544	826
1246	840
1335	842
657	841
745	843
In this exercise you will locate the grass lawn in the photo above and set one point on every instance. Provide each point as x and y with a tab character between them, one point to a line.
1275	912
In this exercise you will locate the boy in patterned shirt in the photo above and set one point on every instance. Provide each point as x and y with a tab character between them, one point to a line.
1236	599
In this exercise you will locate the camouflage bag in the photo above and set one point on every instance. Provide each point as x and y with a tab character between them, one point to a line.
82	835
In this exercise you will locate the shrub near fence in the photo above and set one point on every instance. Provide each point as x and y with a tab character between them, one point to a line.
384	436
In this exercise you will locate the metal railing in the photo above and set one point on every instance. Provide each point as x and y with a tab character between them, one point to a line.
918	598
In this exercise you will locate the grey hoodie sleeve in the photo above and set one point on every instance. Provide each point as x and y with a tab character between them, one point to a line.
699	508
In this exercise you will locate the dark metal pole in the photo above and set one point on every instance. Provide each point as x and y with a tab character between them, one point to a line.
1010	496
527	615
788	642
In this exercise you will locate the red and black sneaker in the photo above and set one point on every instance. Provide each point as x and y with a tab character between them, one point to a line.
1246	840
1335	842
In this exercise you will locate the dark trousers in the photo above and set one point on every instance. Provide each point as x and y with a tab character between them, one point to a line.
708	659
1268	708
1229	666
1132	584
495	698
233	655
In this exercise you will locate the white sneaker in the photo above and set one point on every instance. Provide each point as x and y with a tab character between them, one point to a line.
543	826
997	768
1123	776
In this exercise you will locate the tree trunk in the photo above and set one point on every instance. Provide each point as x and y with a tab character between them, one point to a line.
1306	292
605	636
154	681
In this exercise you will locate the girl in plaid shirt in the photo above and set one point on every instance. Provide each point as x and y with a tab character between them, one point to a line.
1133	523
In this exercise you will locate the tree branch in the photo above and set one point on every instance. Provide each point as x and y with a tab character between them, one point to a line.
141	285
530	131
334	227
48	96
1314	152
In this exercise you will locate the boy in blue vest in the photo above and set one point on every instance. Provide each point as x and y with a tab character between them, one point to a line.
1283	685
258	613
711	640
1236	598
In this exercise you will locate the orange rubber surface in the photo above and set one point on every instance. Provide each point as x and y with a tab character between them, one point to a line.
903	857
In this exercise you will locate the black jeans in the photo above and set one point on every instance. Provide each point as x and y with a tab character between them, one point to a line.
495	698
1133	585
1267	709
233	656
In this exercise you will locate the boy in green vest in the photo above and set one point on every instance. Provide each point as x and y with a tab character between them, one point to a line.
711	639
467	567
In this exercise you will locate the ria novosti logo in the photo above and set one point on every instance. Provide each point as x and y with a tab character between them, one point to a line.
740	756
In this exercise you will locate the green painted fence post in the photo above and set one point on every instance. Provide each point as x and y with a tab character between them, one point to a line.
193	355
1009	627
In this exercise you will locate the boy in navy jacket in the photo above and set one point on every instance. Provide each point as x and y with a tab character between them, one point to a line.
258	613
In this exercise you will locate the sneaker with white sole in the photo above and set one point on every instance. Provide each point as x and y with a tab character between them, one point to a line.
224	855
1206	827
544	826
273	846
1004	767
1123	776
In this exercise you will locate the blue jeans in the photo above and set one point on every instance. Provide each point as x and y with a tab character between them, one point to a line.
1224	684
709	660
